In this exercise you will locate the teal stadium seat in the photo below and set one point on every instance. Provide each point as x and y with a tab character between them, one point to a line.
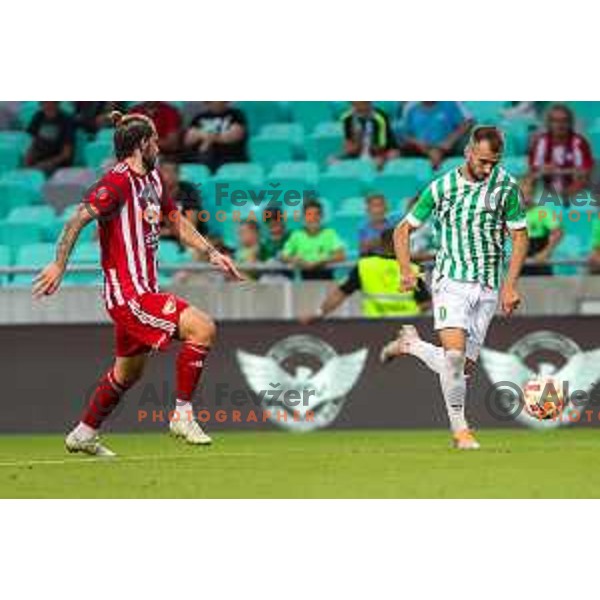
353	206
361	169
337	187
40	215
85	254
26	112
13	195
397	187
517	166
35	255
310	114
98	153
259	113
5	261
586	113
294	132
32	178
15	234
307	170
417	167
194	174
242	171
517	137
325	142
171	253
486	112
267	151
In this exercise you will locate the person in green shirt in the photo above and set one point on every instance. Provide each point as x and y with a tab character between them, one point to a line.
314	249
594	262
277	233
544	229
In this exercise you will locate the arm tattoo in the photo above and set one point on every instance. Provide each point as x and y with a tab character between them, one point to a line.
68	237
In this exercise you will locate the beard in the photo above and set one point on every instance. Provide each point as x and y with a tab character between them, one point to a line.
149	162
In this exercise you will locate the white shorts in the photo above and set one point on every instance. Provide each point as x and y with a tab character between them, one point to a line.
464	305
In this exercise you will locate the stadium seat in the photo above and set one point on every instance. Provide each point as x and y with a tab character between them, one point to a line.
260	113
5	261
448	165
397	187
170	252
338	187
347	227
33	178
85	254
586	112
294	132
68	186
307	170
486	112
10	157
19	140
40	215
26	112
361	169
194	174
309	114
35	256
353	206
98	153
418	167
517	136
570	247
242	171
105	135
15	234
267	151
324	143
517	166
13	195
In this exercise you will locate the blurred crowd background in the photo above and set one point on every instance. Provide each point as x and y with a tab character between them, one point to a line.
297	190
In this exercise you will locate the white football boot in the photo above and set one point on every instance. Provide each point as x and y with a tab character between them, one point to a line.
190	431
401	345
75	442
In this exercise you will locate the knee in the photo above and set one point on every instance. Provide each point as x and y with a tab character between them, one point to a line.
203	330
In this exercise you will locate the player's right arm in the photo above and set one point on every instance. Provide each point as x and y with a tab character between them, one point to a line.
48	281
420	212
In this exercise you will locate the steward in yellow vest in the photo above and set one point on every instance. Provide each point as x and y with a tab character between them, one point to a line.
378	278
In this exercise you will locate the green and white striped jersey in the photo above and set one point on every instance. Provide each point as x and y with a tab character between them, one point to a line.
471	220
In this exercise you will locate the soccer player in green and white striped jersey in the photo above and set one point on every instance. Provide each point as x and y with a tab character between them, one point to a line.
473	207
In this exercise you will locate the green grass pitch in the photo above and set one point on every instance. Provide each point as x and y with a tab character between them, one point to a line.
328	464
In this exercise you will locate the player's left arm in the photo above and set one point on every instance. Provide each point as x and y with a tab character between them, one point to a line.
510	296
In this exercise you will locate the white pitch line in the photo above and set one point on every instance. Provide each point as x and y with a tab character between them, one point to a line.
117	459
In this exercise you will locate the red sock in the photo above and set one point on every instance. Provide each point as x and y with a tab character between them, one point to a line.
189	365
103	401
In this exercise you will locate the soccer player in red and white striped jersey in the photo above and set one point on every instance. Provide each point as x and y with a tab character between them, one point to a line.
128	203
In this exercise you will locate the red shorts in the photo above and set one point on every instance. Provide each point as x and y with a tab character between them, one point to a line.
145	323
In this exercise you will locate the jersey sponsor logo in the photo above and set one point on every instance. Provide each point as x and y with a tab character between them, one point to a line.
286	378
557	358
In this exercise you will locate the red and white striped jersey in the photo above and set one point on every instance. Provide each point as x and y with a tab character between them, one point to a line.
129	208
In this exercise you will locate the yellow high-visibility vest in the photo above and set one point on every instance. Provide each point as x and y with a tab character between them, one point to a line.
380	282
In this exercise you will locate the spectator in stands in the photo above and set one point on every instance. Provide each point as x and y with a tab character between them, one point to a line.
249	250
368	134
559	157
545	232
217	135
314	250
369	235
184	194
378	278
90	117
277	233
594	261
53	143
435	130
168	123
